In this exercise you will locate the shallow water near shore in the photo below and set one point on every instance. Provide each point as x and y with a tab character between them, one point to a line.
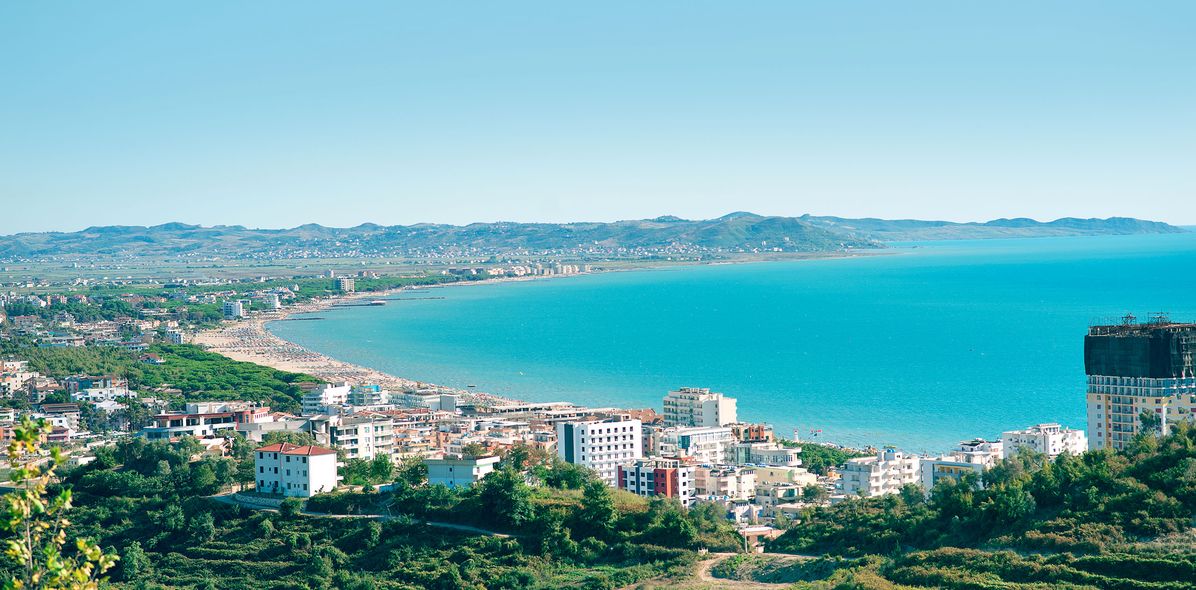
942	342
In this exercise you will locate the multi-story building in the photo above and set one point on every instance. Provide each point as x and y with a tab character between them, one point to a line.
707	445
692	406
885	473
765	453
725	483
205	420
601	445
326	398
1134	369
973	456
658	477
1050	439
293	470
360	436
458	471
174	336
233	310
368	395
346	285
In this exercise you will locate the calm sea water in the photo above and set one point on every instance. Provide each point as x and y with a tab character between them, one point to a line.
939	342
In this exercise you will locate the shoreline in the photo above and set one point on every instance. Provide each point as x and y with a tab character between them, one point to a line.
249	340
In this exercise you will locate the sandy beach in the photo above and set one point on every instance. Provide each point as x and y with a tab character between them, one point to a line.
248	340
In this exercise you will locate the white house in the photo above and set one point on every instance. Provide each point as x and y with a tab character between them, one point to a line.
703	444
459	472
293	470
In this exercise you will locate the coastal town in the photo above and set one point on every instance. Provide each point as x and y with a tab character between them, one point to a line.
692	448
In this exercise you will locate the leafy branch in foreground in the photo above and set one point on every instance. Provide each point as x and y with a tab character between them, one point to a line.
36	522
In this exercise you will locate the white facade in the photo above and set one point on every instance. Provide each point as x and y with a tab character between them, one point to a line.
292	470
326	398
457	472
692	406
762	453
885	473
601	445
731	483
1049	439
102	394
709	445
233	310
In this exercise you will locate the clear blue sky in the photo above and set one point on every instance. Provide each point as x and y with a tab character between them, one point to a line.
274	114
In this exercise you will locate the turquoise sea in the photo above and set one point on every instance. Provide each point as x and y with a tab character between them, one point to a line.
921	347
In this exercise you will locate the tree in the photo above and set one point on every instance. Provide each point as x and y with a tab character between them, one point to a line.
134	563
381	469
37	521
202	527
1150	422
505	499
813	494
413	471
596	517
290	508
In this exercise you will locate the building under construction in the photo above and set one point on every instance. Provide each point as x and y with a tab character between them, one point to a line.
1137	367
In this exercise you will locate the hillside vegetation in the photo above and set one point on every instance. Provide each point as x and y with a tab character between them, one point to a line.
1101	520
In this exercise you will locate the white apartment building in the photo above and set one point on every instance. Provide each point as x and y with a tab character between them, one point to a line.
293	470
692	406
174	336
459	472
102	394
601	445
326	398
234	310
710	445
885	473
659	477
346	285
360	436
763	453
368	395
1049	439
725	483
205	420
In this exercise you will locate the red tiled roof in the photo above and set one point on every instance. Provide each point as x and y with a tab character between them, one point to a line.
290	449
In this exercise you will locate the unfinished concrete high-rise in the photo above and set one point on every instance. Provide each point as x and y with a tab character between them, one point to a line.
1135	368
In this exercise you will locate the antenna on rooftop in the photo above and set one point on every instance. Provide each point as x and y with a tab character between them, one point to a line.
1160	317
1128	319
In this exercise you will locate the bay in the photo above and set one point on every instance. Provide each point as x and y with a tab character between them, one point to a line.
921	347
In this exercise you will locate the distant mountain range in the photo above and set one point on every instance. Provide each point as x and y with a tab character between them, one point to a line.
736	232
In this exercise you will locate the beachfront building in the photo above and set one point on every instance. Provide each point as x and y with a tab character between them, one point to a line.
704	445
234	309
692	406
1051	440
326	398
601	445
293	470
669	478
205	420
885	473
368	395
346	285
1137	368
459	471
764	453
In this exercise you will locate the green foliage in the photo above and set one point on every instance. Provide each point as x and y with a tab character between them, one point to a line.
35	524
1085	513
819	458
201	375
